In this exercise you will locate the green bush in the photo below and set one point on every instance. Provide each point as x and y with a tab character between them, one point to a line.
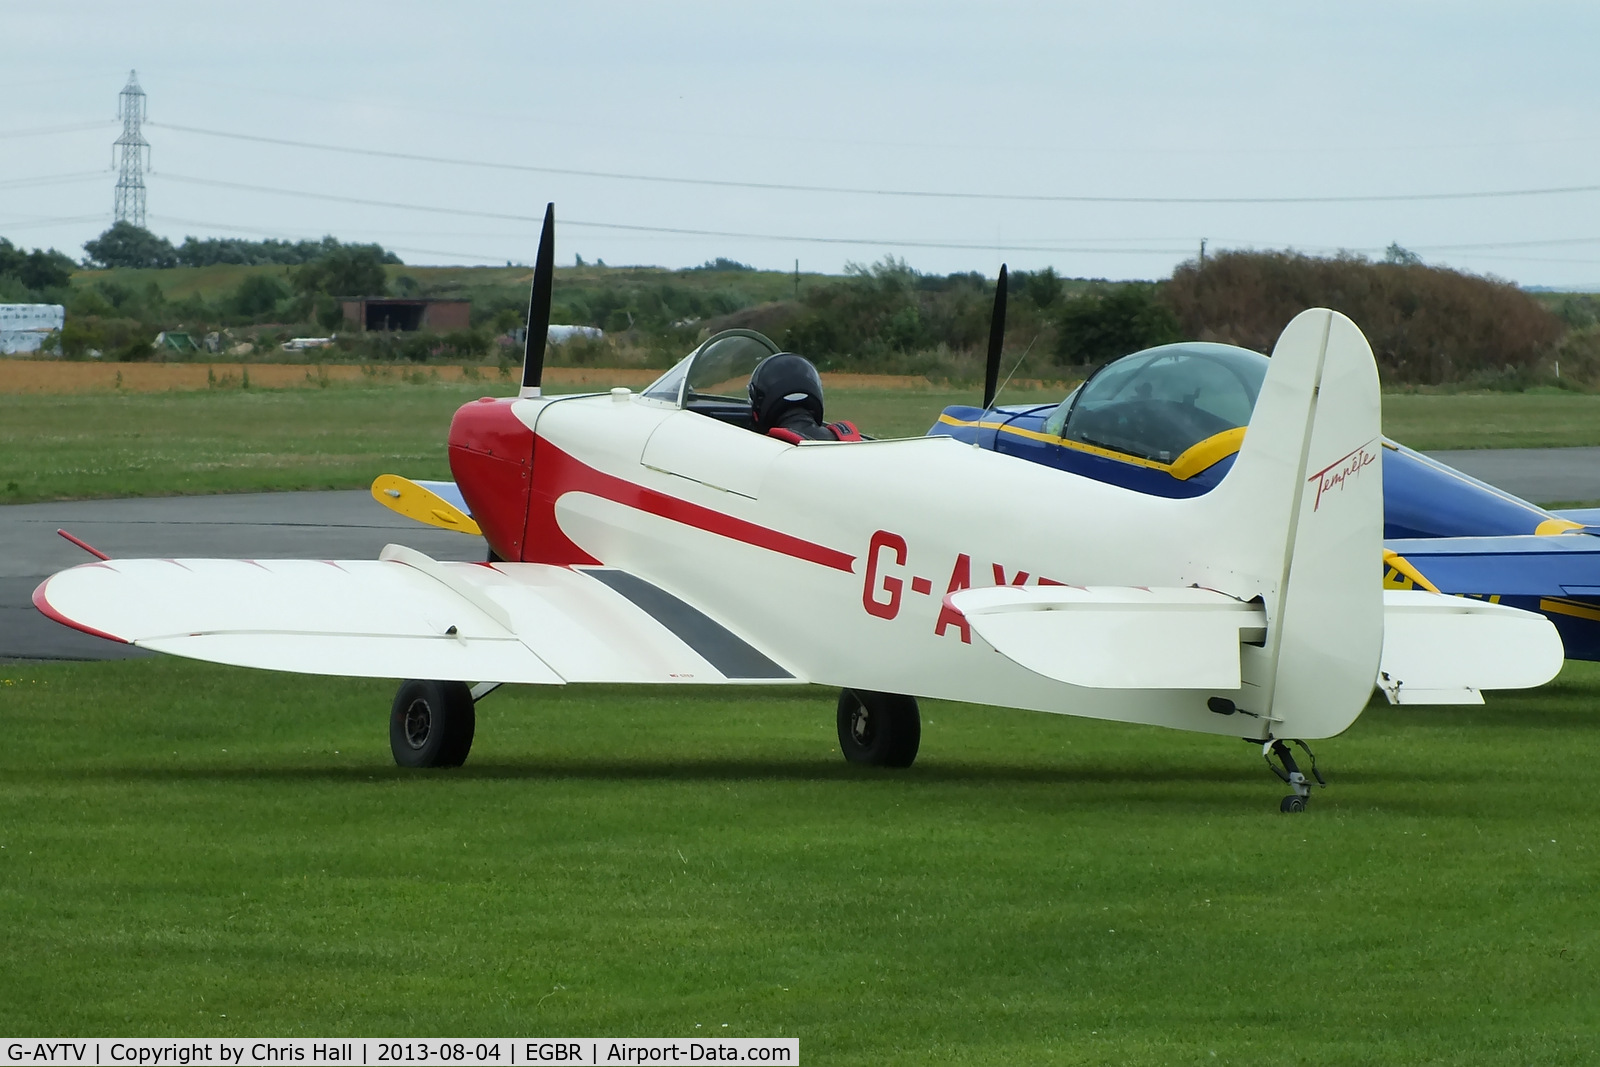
84	335
1576	310
1427	325
127	245
885	311
257	297
136	350
349	270
328	312
1107	322
33	273
207	251
1578	357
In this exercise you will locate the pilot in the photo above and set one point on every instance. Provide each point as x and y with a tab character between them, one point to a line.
786	402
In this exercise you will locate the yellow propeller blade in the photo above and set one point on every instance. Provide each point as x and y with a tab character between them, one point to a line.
405	497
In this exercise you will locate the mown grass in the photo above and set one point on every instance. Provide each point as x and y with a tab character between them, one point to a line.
247	440
1538	418
236	440
197	850
342	436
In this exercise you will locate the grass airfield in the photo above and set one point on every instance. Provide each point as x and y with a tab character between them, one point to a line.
196	850
333	434
85	445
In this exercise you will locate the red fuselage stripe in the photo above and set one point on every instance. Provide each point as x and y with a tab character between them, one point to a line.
575	476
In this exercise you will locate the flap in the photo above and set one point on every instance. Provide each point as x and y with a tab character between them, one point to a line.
1117	637
407	616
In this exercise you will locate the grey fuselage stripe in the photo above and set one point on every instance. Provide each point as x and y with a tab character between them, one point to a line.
714	642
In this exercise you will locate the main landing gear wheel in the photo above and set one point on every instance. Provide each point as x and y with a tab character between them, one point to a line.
431	724
879	729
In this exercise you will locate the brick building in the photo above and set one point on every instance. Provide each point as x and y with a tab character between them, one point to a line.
403	313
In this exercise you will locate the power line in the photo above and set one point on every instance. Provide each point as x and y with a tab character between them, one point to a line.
721	135
40	131
981	246
29	224
54	179
1509	244
1537	259
859	191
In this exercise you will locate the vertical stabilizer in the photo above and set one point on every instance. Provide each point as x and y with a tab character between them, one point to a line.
1305	498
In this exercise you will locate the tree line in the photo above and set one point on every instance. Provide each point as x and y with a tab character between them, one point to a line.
1427	325
127	245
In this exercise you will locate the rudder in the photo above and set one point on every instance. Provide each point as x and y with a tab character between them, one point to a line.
1306	500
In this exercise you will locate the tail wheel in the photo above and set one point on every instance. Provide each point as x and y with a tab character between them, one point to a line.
879	729
431	724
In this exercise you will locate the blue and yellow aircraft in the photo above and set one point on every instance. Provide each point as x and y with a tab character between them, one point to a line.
1168	421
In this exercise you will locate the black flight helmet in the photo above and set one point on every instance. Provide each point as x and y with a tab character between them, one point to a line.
779	384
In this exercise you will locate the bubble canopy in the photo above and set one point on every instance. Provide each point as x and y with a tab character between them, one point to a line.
718	370
1158	403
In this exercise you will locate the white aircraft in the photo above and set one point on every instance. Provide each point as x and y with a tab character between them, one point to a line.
654	538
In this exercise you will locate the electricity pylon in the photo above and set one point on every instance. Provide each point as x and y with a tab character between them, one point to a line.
133	154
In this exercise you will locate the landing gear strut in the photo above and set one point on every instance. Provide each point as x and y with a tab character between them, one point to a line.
1289	771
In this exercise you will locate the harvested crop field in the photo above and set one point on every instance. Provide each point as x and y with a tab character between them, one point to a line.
55	377
58	377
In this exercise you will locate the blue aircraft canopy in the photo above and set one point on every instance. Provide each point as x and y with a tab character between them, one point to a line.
1158	403
1135	423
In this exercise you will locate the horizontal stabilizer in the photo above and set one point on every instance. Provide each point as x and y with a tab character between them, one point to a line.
1447	650
1115	637
406	615
1436	650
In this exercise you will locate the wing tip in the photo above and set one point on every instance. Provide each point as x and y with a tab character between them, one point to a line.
42	602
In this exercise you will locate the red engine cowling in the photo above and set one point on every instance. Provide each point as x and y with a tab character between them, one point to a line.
491	456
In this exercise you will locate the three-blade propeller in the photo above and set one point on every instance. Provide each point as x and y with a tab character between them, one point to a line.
544	269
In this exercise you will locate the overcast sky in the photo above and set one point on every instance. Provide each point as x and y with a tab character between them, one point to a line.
998	102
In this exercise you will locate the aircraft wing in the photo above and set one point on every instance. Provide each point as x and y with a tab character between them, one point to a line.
1519	565
1582	516
406	615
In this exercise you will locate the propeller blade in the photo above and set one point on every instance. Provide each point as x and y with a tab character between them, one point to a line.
997	336
544	270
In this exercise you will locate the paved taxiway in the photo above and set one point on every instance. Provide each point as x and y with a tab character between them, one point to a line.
1542	475
351	525
346	525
